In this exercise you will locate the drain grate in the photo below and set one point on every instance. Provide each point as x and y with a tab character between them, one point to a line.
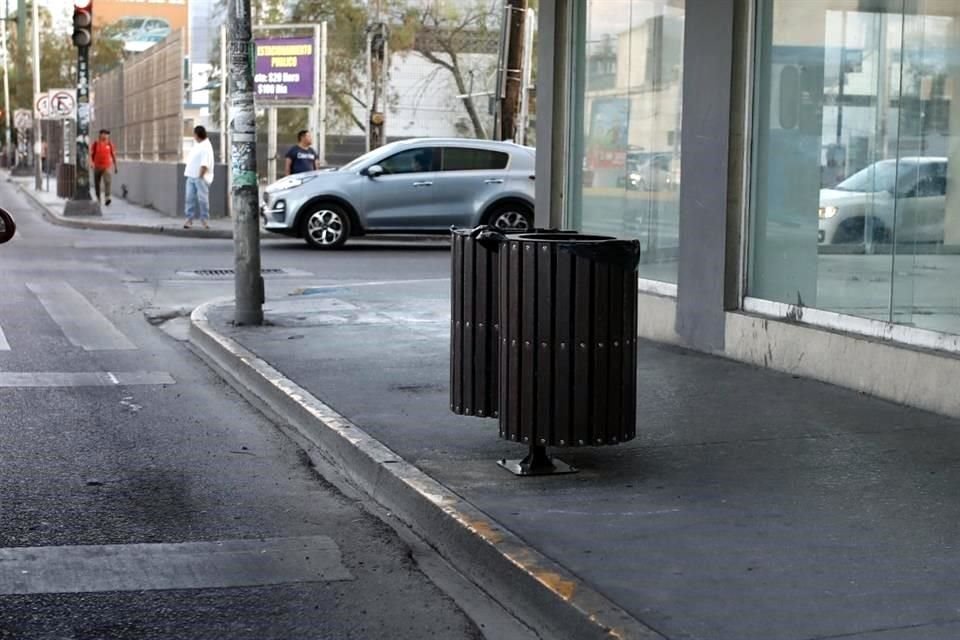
226	273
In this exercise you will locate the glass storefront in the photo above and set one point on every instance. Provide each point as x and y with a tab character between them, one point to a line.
625	166
855	207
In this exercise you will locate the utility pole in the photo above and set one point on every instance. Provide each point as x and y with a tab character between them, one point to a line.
515	15
377	60
248	281
81	204
37	144
8	140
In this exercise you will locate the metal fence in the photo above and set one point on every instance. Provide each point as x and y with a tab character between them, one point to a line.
141	103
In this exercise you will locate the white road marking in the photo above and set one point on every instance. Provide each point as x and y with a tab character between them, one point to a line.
79	320
187	565
4	345
40	379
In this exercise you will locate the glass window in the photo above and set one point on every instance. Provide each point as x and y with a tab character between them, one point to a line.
410	161
854	206
625	170
465	159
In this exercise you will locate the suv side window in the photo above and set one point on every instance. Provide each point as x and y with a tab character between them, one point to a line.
465	159
410	161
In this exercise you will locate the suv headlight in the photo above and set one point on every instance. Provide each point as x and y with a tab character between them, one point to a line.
827	212
291	182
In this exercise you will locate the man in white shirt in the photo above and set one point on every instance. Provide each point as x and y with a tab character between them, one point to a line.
199	174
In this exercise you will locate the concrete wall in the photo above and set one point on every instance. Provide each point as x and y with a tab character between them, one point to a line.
913	377
160	186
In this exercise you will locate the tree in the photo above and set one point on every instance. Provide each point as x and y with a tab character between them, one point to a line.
447	34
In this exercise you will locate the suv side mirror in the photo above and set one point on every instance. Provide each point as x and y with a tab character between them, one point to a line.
373	171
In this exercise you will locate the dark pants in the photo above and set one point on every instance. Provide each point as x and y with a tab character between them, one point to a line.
102	174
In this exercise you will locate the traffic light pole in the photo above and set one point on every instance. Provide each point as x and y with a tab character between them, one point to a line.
8	140
81	204
244	190
37	132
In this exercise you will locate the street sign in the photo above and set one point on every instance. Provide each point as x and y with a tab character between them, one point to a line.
284	70
62	104
41	106
22	119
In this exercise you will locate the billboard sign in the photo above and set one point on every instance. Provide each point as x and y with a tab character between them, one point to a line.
141	24
284	69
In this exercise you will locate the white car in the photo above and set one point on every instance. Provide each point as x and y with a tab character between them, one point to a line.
888	201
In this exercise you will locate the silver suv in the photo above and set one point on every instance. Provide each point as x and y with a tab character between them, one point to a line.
424	185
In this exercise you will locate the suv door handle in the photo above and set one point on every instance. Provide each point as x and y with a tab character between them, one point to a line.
493	181
423	184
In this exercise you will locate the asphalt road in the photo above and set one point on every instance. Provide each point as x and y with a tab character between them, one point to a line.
143	498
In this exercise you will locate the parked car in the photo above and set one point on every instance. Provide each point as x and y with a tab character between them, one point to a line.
659	172
905	200
423	185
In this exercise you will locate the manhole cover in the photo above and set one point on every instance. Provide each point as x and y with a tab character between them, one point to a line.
227	273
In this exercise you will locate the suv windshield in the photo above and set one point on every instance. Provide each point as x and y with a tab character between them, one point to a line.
359	162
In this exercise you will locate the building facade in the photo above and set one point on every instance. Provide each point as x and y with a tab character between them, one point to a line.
787	166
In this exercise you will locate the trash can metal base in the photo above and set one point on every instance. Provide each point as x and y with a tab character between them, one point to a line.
537	463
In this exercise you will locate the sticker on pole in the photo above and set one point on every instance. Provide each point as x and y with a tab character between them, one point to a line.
284	70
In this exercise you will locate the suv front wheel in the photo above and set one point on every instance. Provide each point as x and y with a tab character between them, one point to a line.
327	226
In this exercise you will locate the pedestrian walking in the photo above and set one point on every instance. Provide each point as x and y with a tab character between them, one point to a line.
103	157
302	157
199	175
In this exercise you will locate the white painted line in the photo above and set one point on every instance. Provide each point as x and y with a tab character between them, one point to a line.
4	345
79	320
187	565
40	379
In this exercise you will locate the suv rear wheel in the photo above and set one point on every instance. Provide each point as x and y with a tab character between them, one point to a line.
511	217
327	226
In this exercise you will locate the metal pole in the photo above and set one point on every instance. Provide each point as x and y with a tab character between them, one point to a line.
223	94
37	148
271	145
248	281
369	118
8	140
531	23
321	128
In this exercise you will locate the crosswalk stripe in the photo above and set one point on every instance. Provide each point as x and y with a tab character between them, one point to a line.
4	345
184	565
79	320
37	379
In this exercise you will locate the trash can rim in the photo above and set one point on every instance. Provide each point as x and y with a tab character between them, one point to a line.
561	237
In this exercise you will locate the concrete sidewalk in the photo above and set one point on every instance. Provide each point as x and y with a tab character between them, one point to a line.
119	216
753	505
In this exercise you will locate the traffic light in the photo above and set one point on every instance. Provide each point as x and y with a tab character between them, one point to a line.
82	23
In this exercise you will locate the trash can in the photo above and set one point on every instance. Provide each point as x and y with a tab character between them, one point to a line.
568	352
66	180
474	319
473	322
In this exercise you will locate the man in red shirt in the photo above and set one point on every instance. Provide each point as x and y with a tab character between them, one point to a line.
103	157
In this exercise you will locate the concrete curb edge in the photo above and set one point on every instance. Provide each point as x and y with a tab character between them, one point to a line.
173	230
536	589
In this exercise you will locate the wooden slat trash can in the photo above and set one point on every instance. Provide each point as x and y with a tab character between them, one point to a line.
568	348
473	322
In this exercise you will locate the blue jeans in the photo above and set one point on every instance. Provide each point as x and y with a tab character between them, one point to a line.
197	197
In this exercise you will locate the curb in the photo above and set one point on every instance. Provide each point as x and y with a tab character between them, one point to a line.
534	588
73	223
